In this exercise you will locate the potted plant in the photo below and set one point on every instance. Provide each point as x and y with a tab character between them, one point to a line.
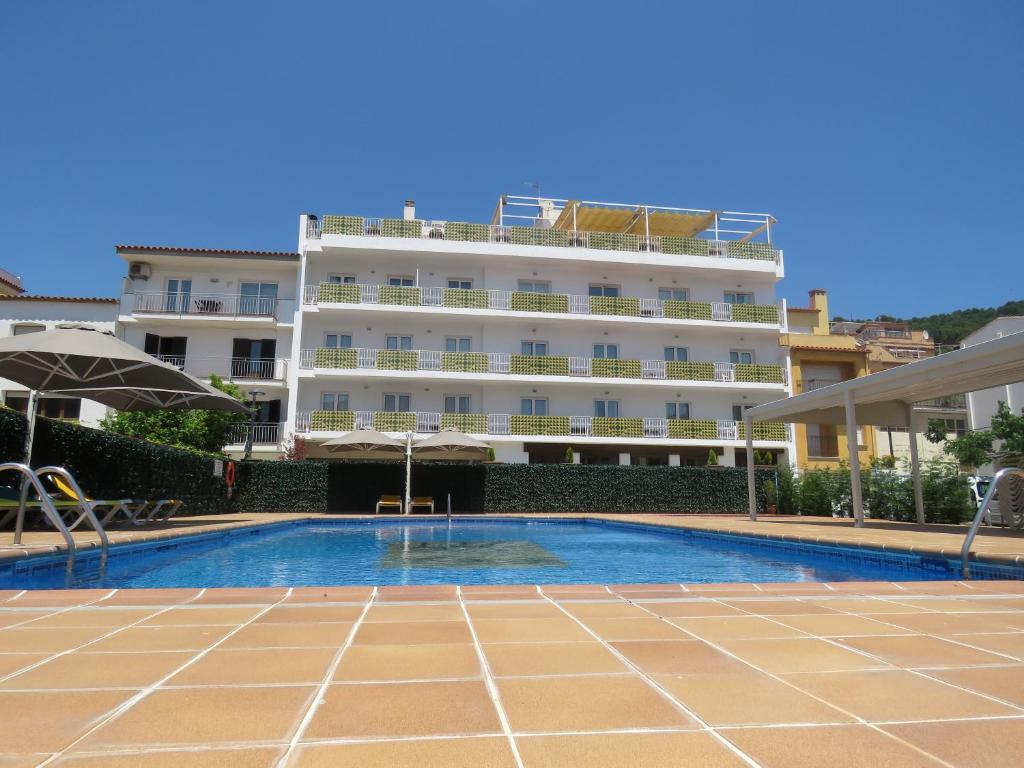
712	458
568	455
771	498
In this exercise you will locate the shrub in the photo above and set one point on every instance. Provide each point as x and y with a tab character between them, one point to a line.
712	458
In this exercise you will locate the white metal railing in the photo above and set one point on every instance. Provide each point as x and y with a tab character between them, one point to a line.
363	420
655	427
580	426
303	422
314	228
217	304
652	308
366	358
579	305
369	294
910	354
653	369
725	372
307	359
498	424
431	296
721	311
263	433
499	299
429	360
263	369
178	361
579	366
428	422
310	294
499	362
727	430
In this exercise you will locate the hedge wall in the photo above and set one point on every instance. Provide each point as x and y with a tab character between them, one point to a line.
281	486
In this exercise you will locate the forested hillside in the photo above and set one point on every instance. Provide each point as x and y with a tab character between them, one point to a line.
952	327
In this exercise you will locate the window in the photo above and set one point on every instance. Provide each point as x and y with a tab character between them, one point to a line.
170	349
744	356
51	407
458	344
732	297
397	403
608	408
457	404
179	294
257	298
677	410
457	282
535	286
677	354
253	358
398	342
609	351
674	294
334	401
533	406
534	348
342	279
600	289
20	329
401	280
338	340
958	426
737	411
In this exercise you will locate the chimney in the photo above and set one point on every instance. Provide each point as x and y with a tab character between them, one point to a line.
819	301
410	210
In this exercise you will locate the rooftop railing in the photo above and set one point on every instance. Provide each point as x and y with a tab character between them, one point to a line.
214	304
539	365
543	236
526	301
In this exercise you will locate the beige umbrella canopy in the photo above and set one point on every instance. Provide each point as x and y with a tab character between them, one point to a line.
366	444
450	444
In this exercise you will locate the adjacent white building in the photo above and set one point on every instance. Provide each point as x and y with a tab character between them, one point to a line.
623	333
982	405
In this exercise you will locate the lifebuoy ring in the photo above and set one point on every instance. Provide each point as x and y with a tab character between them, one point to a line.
229	474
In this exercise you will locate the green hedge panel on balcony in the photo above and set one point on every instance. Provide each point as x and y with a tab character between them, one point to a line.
397	360
615	305
400	228
755	313
475	423
524	301
332	421
343	225
687	310
539	365
339	293
472	233
613	241
763	430
399	294
685	246
758	373
607	426
464	362
616	369
760	251
335	358
466	299
692	429
385	421
539	425
686	371
557	238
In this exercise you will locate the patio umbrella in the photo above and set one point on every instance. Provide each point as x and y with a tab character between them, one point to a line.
448	444
366	444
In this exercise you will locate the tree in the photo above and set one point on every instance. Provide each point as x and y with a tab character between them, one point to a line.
1008	427
935	432
971	449
207	431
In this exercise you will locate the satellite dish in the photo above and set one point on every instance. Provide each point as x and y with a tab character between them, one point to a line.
924	335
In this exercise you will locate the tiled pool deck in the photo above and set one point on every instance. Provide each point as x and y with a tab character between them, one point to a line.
845	674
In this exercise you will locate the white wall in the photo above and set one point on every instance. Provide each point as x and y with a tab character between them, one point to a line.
982	405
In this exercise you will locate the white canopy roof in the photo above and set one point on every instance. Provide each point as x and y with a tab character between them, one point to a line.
882	398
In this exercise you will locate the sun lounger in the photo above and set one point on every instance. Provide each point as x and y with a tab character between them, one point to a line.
421	501
390	501
135	511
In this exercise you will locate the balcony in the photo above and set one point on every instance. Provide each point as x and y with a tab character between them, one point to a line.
232	368
465	232
503	424
263	433
556	303
220	305
504	363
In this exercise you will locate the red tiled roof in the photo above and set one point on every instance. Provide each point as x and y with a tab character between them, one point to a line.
211	251
76	299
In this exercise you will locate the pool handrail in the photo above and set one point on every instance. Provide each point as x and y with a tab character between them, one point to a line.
965	551
45	503
88	513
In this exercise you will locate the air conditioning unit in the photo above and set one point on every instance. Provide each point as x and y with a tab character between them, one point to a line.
140	270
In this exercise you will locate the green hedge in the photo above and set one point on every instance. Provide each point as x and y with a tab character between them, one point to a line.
526	301
343	225
475	423
464	362
628	306
460	298
339	293
539	365
406	295
401	228
692	429
539	425
473	233
281	486
328	357
616	369
610	426
765	374
397	360
330	421
675	369
755	313
685	246
687	310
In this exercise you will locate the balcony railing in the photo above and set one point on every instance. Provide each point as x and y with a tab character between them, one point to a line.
271	369
263	433
212	304
556	238
534	365
525	301
501	424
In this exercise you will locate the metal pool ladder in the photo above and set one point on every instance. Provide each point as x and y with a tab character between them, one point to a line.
965	552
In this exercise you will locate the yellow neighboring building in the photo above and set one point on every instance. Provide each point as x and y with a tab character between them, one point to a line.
819	358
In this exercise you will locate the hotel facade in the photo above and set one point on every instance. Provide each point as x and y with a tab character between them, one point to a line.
624	334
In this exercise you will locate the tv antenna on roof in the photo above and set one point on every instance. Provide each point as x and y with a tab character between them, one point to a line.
534	185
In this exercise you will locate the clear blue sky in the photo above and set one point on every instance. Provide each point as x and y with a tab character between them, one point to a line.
886	137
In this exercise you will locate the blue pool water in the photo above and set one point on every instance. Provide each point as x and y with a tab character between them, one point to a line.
473	551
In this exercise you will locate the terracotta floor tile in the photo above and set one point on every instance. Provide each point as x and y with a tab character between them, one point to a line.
208	616
841	625
864	587
947	605
413	633
521	659
264	666
110	618
974	744
205	716
8	618
54	639
404	709
57	598
417	594
402	612
780	607
641	587
626	750
290	635
865	605
100	670
529	630
689	608
408	662
606	611
735	589
648	594
798	655
896	695
531	610
914	651
719	627
243	596
795	588
635	629
207	758
557	590
586	704
161	639
12	662
1010	644
154	597
748	698
1006	683
47	721
851	746
329	595
952	623
285	614
22	761
477	591
677	657
487	752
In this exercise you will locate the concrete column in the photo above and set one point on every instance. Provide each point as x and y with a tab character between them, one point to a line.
510	453
673	460
624	459
748	424
915	465
851	444
728	458
576	457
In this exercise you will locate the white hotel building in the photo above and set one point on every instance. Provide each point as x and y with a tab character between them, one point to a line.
624	333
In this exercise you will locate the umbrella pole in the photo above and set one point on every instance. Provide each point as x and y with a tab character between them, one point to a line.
30	433
408	470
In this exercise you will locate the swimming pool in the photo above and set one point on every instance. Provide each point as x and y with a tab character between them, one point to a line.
474	551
